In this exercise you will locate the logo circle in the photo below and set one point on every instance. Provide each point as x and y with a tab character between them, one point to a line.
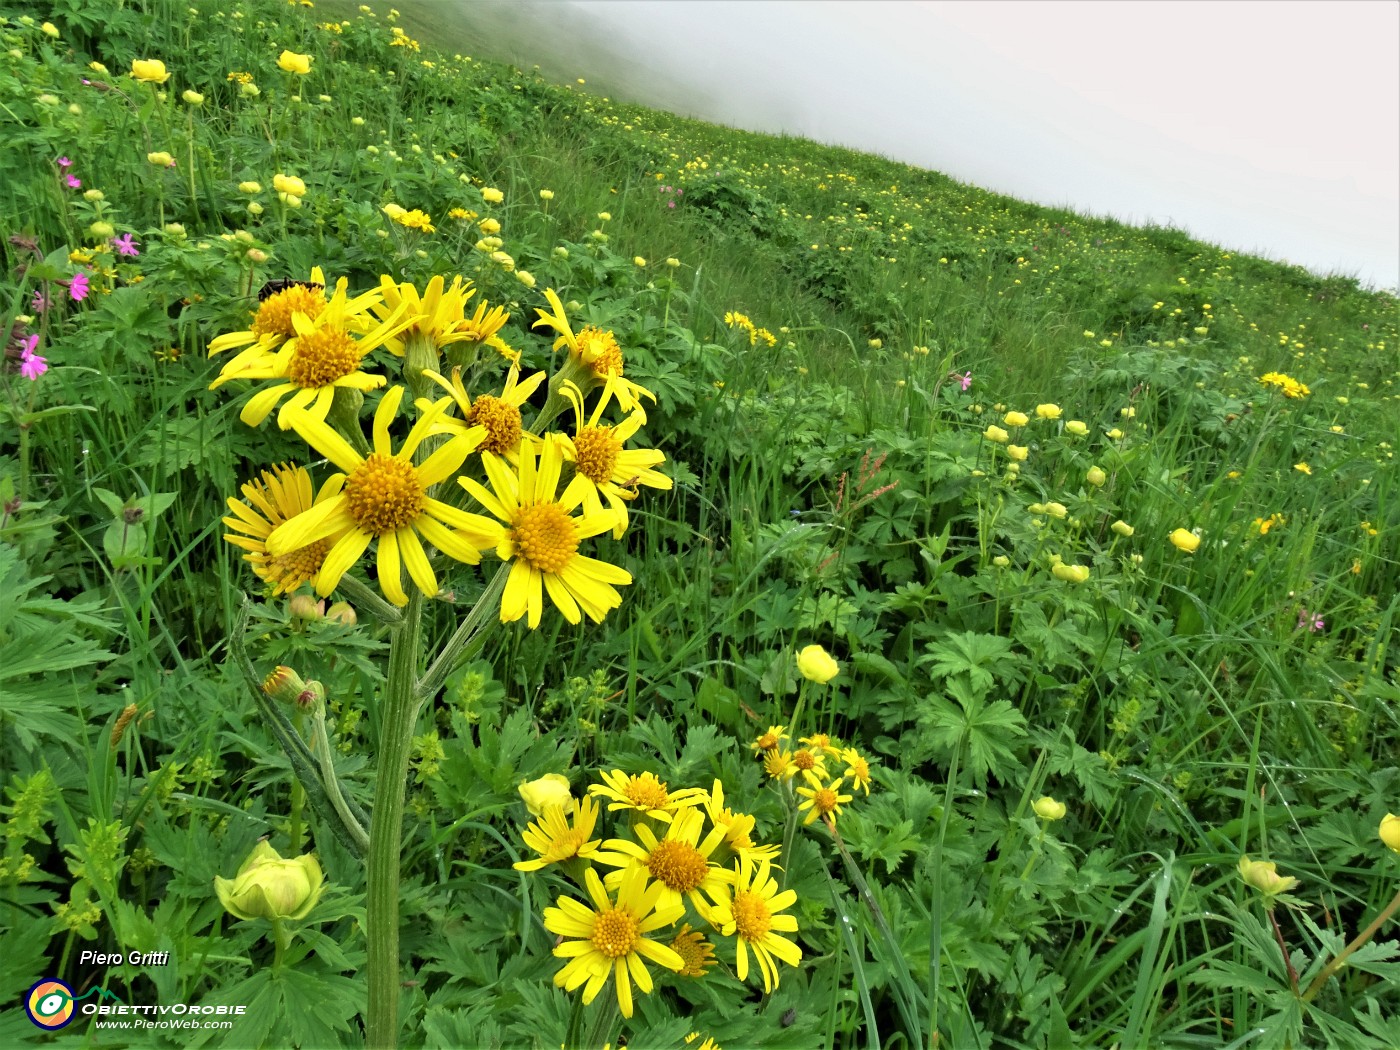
49	1004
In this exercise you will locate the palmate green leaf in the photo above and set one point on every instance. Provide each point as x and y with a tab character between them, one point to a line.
979	659
988	731
303	1008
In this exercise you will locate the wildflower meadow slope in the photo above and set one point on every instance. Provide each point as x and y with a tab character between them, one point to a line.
485	565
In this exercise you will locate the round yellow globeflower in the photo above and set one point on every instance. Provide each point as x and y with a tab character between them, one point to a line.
1047	411
1018	452
1390	831
995	433
492	195
161	159
269	886
1185	540
1095	476
291	62
149	70
1071	573
550	789
288	184
1016	419
1046	808
1077	427
817	665
1122	528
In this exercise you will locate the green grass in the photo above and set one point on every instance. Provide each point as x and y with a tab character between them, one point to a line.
837	487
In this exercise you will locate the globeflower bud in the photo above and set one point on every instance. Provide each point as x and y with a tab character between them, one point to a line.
249	90
1264	877
288	184
269	886
1185	540
255	255
305	607
1046	808
1077	427
250	187
1016	419
102	230
995	433
192	97
1001	561
552	789
291	62
816	665
492	195
1122	528
343	613
1018	452
1390	831
1071	573
1095	476
150	70
1047	411
161	159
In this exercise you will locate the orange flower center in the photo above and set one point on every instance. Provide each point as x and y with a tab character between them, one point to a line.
679	865
323	356
600	352
768	741
384	494
804	759
545	536
614	933
697	954
597	453
646	792
501	420
824	801
292	569
752	918
274	316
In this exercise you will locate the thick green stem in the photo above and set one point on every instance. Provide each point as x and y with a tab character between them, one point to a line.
399	714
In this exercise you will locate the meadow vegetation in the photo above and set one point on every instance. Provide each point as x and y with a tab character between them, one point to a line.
904	616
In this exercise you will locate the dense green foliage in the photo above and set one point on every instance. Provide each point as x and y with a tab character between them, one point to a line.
835	341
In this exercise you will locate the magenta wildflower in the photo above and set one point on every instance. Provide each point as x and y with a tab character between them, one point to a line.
74	182
1311	621
125	245
64	162
78	286
31	365
966	380
40	303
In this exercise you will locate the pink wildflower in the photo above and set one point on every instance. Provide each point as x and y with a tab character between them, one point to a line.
78	286
1312	621
125	245
31	365
73	181
40	303
966	380
64	162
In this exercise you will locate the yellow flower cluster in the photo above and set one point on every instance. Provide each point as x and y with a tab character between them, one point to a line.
414	219
813	762
305	350
688	858
1289	386
733	319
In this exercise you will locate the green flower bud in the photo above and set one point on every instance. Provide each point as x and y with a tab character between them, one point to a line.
268	886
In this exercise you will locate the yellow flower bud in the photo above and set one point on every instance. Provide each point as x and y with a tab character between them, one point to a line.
305	607
525	277
1077	427
50	30
490	227
250	187
1016	419
552	789
249	90
288	184
1122	528
160	158
816	665
150	70
102	230
1018	452
1184	540
1046	808
1001	561
342	613
1115	434
492	195
291	62
637	260
995	433
269	886
1071	573
1056	510
1264	877
546	195
1095	476
1047	411
192	97
1390	831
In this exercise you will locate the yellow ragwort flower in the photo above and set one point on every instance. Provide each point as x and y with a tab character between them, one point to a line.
680	861
542	538
643	793
282	494
749	911
823	800
608	939
556	840
385	500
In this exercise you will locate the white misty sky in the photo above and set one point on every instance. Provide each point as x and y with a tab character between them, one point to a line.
1270	127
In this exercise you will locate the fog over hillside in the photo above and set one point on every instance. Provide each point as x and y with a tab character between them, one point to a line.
1272	128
